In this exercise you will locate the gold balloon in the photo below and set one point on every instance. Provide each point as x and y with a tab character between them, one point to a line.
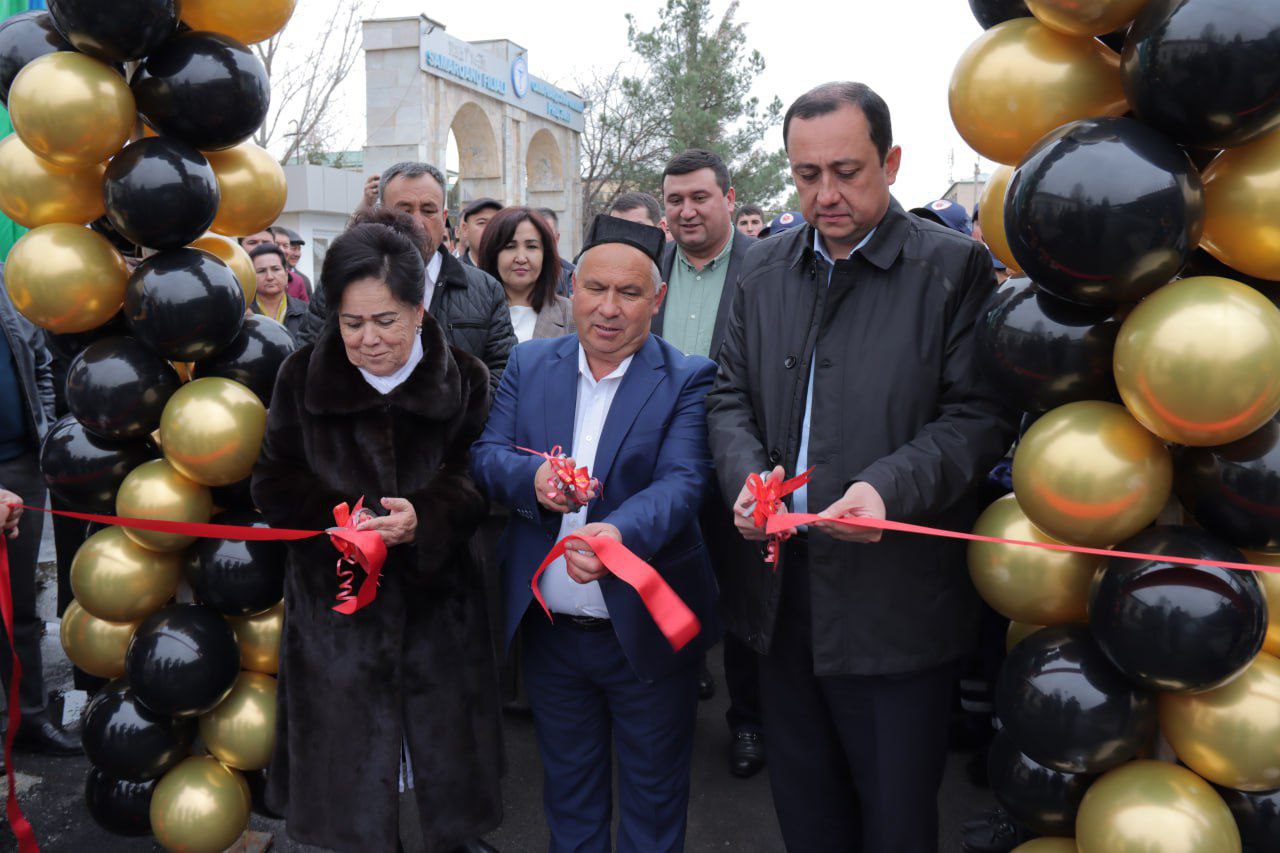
248	21
991	216
233	255
117	579
1198	361
241	731
1270	583
1230	735
65	278
1047	845
252	187
1242	207
71	109
1020	80
155	490
1088	474
212	429
1018	631
1154	807
259	639
1028	584
199	807
34	192
1085	17
95	645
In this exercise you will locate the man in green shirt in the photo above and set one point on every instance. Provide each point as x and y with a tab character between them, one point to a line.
702	266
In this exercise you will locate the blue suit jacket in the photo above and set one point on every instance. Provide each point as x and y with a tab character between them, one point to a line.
652	460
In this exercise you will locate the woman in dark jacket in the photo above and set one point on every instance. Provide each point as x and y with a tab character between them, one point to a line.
272	272
388	718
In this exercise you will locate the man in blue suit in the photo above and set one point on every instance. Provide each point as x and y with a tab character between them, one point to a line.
600	675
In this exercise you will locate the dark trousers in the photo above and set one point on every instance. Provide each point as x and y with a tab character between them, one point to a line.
742	680
855	762
22	476
587	703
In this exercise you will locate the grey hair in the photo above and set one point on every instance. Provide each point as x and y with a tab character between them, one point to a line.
408	169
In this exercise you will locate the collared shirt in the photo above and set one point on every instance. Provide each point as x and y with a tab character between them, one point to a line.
281	309
800	499
386	384
693	300
562	593
432	276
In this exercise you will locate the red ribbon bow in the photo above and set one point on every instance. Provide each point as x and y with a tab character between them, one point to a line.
574	482
364	548
768	494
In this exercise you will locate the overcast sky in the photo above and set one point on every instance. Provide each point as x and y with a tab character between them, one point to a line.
904	49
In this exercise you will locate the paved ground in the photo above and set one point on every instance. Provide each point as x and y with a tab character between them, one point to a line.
725	813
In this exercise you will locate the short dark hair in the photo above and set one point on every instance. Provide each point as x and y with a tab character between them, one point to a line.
500	231
749	210
403	223
374	249
636	199
696	159
549	215
829	97
409	169
269	249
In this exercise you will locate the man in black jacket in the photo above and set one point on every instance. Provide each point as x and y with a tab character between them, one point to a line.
851	349
701	267
468	303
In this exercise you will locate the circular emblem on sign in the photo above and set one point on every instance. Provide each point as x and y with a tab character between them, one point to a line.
520	76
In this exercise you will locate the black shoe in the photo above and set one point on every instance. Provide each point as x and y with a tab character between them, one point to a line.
479	845
706	685
746	754
994	831
40	734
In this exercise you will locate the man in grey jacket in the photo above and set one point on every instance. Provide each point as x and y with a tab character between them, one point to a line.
26	413
469	305
851	349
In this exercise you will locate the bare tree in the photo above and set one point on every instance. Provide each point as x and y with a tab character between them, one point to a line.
305	78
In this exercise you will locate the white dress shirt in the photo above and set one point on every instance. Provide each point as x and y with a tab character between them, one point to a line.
562	593
432	276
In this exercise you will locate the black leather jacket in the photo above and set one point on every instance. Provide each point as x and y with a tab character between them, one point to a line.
468	303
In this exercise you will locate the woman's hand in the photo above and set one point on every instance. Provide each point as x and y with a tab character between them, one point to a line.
398	526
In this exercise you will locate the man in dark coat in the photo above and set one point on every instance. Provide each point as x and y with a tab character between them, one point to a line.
469	305
701	267
851	350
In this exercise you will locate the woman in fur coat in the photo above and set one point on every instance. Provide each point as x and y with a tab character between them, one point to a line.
388	723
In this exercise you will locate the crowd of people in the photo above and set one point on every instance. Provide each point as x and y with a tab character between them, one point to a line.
694	344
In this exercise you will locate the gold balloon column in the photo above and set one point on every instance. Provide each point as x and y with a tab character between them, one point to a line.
110	138
1189	410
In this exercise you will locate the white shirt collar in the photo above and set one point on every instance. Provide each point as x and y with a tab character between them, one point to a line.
584	369
433	267
386	384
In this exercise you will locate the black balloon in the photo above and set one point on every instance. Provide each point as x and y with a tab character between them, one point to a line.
118	388
25	37
1204	72
253	359
1104	210
119	31
85	471
68	346
128	741
992	12
257	782
160	193
103	226
206	89
186	304
1067	707
183	660
1045	351
1234	490
1257	815
1175	627
233	577
1034	795
119	806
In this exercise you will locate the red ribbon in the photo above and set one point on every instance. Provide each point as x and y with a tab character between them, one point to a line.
786	522
674	618
574	482
768	493
358	547
22	829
